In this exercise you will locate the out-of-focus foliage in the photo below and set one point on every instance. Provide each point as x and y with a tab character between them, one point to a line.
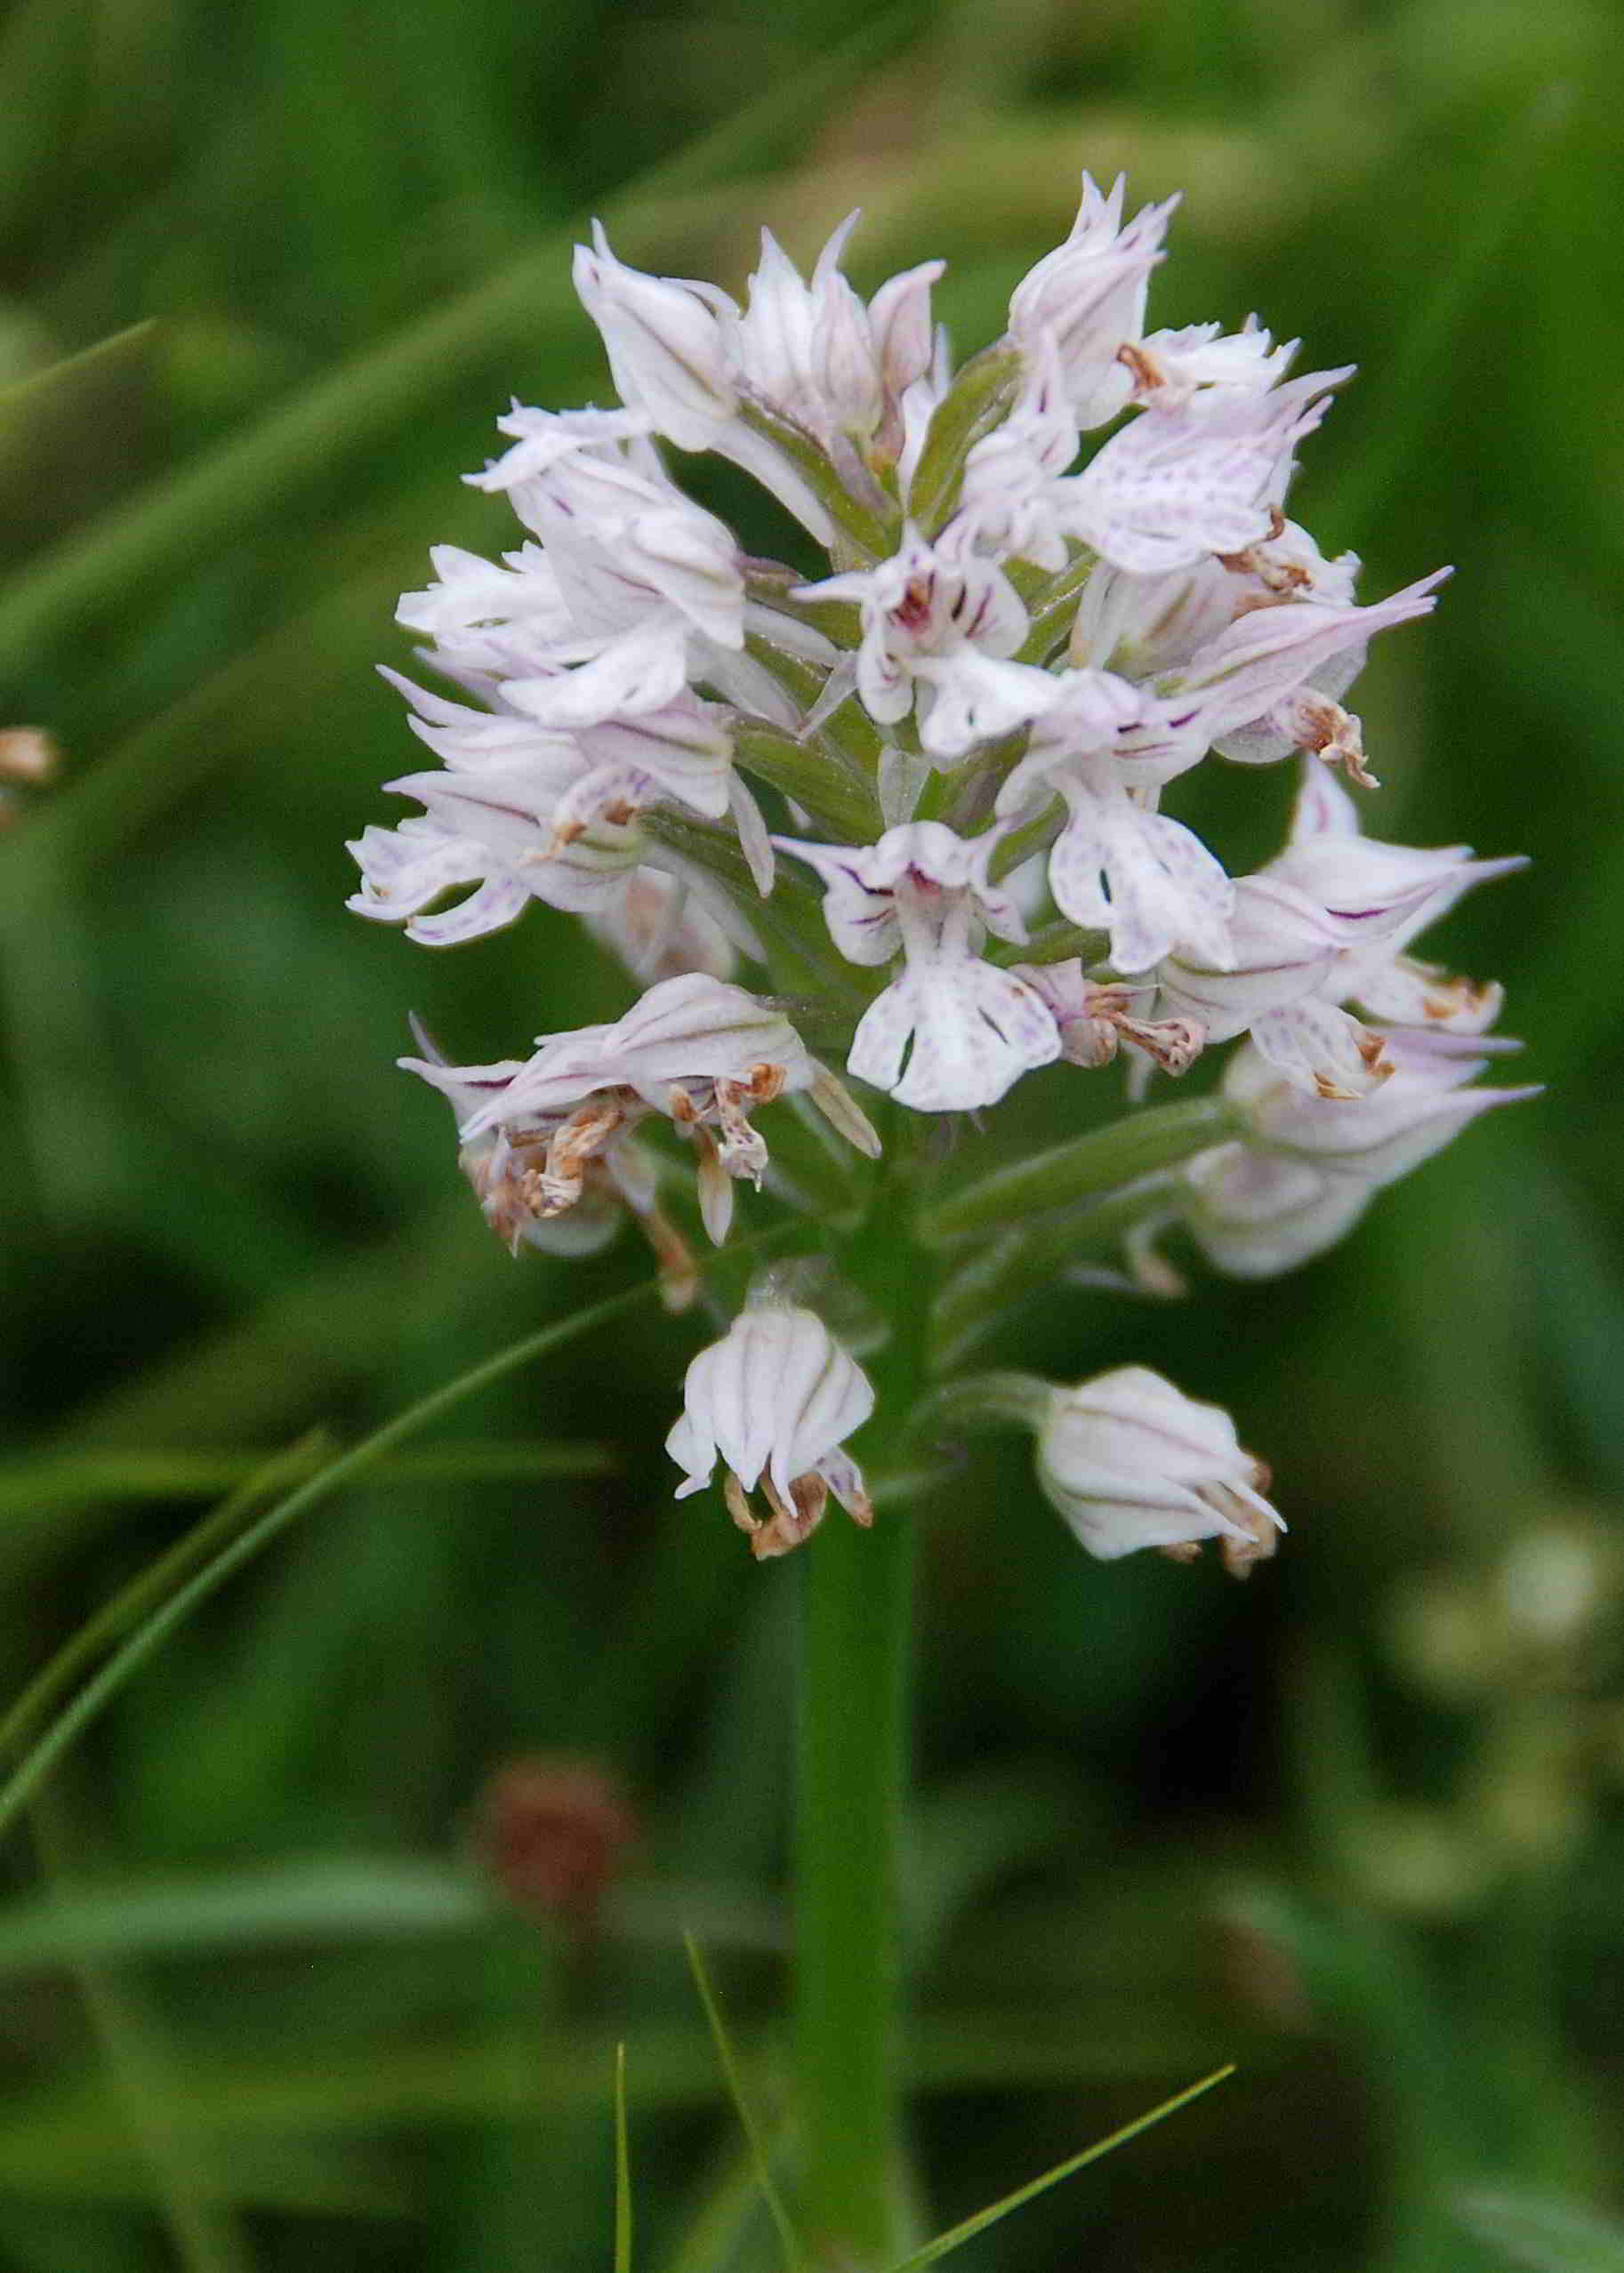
268	274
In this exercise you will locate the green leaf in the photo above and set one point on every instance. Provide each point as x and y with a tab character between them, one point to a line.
873	537
1084	1168
977	402
38	389
957	2235
334	1898
788	2242
834	794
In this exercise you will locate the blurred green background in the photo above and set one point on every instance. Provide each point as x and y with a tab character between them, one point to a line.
270	273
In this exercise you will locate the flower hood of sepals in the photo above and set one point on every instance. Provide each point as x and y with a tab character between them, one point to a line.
696	1049
506	636
686	361
682	750
1145	627
1177	485
1377	1138
1328	858
622	542
1254	686
1257	1215
493	831
939	624
952	1033
1006	502
1094	1020
484	620
814	354
1117	865
1089	296
1130	1462
507	1177
667	342
774	1399
542	437
1295	960
1170	368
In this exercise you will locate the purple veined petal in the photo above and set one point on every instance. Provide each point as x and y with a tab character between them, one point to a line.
974	1031
862	921
468	1088
1148	880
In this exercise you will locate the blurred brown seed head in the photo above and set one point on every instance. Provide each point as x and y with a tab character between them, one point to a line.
553	1834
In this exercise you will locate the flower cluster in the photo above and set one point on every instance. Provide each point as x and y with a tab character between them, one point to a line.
1060	578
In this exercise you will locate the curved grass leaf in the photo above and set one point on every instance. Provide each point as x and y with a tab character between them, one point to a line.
957	2235
348	1469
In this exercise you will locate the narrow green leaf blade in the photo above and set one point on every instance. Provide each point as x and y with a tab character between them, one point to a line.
978	401
956	2236
788	2242
1084	1168
351	1466
623	2169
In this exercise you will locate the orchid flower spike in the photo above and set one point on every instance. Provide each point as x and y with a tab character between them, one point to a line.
1031	597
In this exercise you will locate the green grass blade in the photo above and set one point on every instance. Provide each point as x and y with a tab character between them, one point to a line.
152	1584
204	2233
140	1475
956	2236
788	2242
385	386
623	2169
362	1458
35	389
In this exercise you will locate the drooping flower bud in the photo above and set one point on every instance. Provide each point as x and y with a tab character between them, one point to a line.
1131	1462
774	1399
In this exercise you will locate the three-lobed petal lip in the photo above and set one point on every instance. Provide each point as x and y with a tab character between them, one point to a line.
950	1032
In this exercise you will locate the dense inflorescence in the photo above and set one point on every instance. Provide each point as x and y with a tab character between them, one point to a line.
1060	579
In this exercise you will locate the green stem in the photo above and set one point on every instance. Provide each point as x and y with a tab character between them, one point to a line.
853	1754
854	1743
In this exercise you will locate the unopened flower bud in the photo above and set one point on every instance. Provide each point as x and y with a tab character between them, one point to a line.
1131	1462
774	1399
